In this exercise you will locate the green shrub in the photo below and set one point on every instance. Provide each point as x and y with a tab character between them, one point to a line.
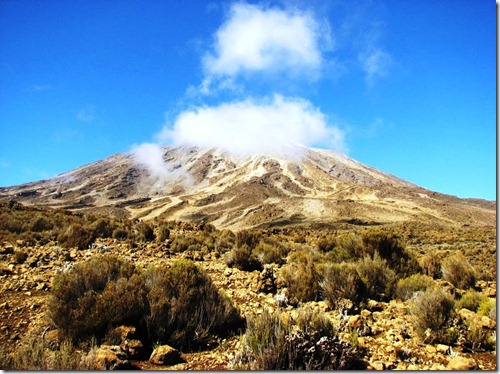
378	277
41	223
310	343
459	272
177	305
431	265
120	233
243	258
145	232
432	311
471	300
186	309
342	281
390	249
163	233
247	237
20	256
488	308
478	338
271	252
301	277
406	288
95	295
327	244
103	228
75	236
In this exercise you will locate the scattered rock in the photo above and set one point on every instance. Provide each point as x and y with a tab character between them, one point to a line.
166	355
111	357
461	363
443	348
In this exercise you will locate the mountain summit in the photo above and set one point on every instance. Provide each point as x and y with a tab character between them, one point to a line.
210	185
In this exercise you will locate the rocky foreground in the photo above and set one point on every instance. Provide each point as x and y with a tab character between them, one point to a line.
384	329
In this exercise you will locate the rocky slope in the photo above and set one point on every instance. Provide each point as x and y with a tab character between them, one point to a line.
314	187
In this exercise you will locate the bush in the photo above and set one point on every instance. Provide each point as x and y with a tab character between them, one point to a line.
310	343
389	248
75	236
272	252
186	309
93	296
247	237
431	265
459	272
471	300
177	305
378	277
478	338
432	311
488	308
243	258
20	256
103	228
163	233
406	288
342	281
120	233
301	277
145	232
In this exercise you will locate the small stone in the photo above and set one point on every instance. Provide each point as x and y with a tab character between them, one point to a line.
377	365
166	355
430	349
366	314
443	348
461	363
355	321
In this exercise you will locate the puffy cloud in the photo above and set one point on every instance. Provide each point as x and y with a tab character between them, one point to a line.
259	39
272	126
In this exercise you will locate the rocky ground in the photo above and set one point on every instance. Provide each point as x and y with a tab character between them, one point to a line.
384	329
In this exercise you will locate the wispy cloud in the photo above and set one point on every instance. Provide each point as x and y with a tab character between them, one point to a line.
40	88
375	63
87	113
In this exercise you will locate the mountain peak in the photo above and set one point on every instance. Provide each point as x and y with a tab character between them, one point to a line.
235	191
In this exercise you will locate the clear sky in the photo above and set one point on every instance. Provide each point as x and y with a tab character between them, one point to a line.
408	87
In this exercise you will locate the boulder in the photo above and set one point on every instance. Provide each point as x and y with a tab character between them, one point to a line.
461	363
166	355
111	357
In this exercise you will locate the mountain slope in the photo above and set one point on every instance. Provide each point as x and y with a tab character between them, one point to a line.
314	187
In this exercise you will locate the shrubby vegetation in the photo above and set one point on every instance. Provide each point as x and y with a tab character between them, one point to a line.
308	343
178	305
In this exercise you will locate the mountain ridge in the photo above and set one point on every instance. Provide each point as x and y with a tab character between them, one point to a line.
238	191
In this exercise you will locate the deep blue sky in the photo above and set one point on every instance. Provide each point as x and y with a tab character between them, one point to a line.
411	85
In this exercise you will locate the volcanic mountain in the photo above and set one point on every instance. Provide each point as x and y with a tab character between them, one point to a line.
209	185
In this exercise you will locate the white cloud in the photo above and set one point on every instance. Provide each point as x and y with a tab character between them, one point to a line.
375	64
272	126
150	156
266	40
